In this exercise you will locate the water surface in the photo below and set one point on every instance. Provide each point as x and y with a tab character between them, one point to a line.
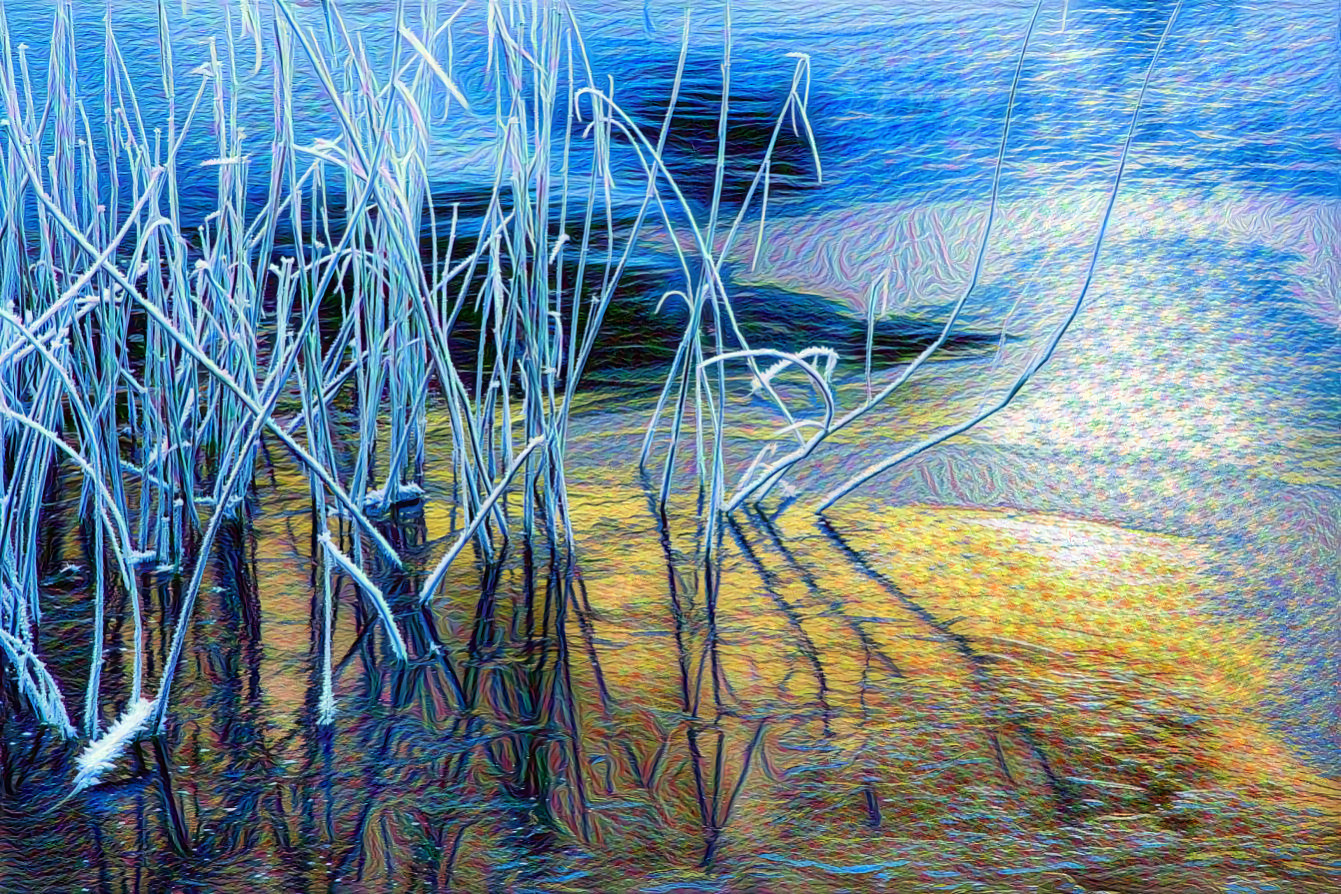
1090	646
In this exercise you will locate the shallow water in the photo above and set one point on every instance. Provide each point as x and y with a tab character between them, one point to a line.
1089	646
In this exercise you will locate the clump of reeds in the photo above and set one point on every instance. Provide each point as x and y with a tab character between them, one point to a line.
164	430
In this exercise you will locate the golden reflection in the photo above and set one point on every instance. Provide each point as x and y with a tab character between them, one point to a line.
903	698
929	687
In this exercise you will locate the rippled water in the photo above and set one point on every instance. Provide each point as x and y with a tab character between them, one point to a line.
1090	646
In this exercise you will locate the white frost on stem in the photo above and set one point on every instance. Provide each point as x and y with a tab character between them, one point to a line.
102	753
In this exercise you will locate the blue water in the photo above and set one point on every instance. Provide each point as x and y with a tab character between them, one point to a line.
907	98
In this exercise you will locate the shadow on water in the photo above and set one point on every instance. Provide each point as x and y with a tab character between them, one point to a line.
643	324
754	109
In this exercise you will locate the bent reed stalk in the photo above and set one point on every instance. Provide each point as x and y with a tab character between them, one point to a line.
153	350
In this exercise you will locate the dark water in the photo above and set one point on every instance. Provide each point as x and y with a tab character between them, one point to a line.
1090	647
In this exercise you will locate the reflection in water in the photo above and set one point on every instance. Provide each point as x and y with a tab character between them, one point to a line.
893	699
